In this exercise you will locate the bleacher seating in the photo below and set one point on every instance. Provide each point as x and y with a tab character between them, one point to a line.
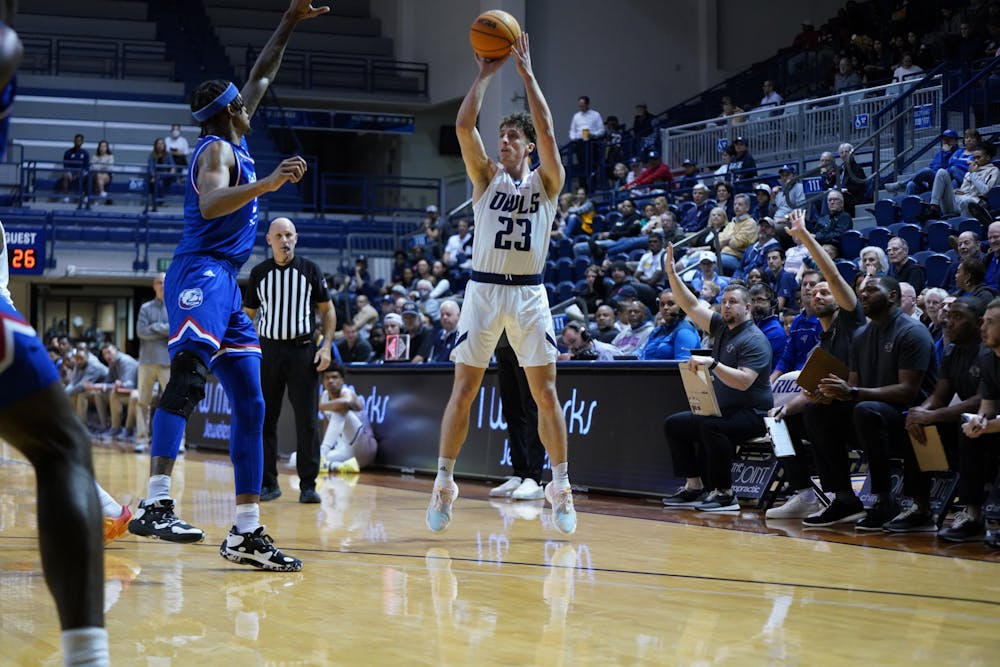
877	236
909	232
938	232
936	269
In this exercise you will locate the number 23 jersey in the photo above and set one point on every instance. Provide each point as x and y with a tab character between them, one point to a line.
513	222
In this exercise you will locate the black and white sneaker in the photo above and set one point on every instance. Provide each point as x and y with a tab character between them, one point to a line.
156	519
718	501
257	549
839	511
911	520
685	497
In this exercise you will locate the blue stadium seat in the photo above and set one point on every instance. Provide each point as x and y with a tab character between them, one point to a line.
921	256
885	212
938	233
909	232
565	248
600	224
550	289
851	244
967	224
565	290
636	255
564	269
580	265
848	270
550	272
993	200
877	236
936	269
910	208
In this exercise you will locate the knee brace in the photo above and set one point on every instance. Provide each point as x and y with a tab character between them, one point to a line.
187	384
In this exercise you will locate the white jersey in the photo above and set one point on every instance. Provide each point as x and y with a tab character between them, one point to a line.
513	224
4	272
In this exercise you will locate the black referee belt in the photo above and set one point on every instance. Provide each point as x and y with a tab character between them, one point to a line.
506	278
300	341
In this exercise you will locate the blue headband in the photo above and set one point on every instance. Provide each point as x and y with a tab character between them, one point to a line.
216	105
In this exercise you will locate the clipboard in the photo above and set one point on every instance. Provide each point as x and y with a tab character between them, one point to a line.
930	454
819	365
781	441
700	391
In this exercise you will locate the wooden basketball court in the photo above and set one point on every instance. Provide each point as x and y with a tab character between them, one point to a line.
636	584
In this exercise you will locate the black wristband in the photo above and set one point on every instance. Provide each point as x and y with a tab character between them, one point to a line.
711	366
854	393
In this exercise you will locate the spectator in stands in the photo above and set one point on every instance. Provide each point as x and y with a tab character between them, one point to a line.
177	145
87	371
723	173
960	375
981	177
76	162
376	338
629	225
829	227
781	281
959	164
787	196
649	270
903	267
934	316
594	291
731	113
365	315
100	170
771	97
807	39
740	363
970	280
979	444
613	132
908	301
755	256
608	327
706	239
619	176
923	180
696	216
688	179
428	305
839	311
743	166
967	246
352	348
428	234
724	198
580	215
707	274
446	338
992	257
674	337
803	332
439	276
665	224
763	309
655	174
642	125
631	340
873	262
586	124
846	78
159	166
906	69
582	347
738	235
458	251
761	205
851	178
421	336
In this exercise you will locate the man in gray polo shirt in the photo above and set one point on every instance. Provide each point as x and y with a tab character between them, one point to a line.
740	361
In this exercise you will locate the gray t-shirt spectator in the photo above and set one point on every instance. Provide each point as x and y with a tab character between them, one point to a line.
124	369
93	371
153	330
879	353
742	347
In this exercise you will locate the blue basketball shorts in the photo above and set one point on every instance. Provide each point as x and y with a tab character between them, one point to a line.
25	366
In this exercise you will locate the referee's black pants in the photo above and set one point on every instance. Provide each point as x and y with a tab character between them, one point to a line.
290	364
527	453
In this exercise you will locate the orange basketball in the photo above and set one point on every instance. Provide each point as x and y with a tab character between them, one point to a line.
493	33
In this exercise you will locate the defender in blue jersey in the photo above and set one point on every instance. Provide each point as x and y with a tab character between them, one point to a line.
208	328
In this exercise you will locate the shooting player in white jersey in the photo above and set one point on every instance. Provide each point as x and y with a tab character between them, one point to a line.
514	207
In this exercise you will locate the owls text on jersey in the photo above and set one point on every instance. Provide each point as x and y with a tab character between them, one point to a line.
513	222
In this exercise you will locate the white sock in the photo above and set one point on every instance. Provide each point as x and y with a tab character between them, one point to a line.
159	487
110	507
446	471
247	517
560	475
85	647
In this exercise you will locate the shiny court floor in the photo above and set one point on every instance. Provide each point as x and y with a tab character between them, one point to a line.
636	585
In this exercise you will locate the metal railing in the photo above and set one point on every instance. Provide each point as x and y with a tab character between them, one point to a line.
103	58
130	183
786	133
304	69
376	195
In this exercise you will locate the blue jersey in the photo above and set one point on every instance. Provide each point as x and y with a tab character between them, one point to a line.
229	237
25	366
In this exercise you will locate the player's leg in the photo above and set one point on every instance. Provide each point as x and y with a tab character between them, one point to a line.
239	375
44	427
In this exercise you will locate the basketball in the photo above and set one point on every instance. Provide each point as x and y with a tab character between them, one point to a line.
493	33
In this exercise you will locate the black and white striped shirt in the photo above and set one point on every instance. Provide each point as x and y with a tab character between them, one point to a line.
286	297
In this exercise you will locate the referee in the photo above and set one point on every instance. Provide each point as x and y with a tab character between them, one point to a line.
288	290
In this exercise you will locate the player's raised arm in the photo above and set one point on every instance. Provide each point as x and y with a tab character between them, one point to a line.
550	166
269	60
478	164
